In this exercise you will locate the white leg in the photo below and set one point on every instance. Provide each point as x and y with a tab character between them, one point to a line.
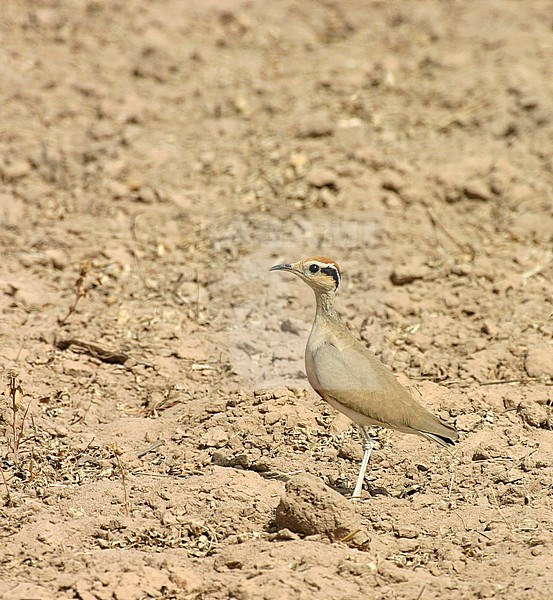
368	444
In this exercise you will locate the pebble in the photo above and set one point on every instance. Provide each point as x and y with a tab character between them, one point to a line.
467	422
405	274
57	258
351	450
318	124
533	414
15	170
406	531
320	177
539	360
117	189
76	368
393	181
477	190
215	437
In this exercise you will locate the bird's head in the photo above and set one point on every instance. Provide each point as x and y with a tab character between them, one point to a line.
321	274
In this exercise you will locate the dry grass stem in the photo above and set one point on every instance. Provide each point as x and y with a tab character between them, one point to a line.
14	393
117	454
81	291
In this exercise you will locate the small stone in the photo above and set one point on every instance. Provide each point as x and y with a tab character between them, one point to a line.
292	326
467	422
272	417
477	190
485	452
192	350
351	450
326	197
215	437
533	414
15	170
76	368
147	195
314	125
406	531
57	258
320	177
134	182
391	573
340	424
183	578
393	181
118	189
27	591
406	274
462	269
539	360
489	328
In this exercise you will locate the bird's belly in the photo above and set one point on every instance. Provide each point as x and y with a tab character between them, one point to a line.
354	415
311	375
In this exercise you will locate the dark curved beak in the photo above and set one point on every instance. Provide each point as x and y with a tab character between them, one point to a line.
283	267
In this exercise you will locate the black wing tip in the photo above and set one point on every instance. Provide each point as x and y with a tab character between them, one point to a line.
442	439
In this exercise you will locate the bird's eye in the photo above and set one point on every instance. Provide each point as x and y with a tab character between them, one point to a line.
314	268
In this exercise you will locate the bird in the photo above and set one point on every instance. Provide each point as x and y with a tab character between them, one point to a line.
347	375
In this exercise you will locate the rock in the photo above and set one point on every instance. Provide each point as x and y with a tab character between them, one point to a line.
294	326
539	360
393	181
32	296
467	422
129	587
117	189
391	573
192	350
310	507
27	591
406	274
406	531
486	452
340	424
184	578
351	450
76	368
320	177
318	124
533	413
15	170
57	258
477	190
215	437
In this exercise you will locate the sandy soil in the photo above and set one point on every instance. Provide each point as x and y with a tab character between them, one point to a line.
157	157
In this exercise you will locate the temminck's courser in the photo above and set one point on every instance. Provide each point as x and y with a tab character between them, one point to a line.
349	377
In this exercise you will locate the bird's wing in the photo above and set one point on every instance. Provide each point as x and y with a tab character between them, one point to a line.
357	380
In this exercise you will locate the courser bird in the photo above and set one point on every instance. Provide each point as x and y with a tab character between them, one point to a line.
349	377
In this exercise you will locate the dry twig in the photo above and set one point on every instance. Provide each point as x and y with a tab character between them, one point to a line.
81	291
117	453
14	393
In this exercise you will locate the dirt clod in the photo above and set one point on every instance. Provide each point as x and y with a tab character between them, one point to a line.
310	507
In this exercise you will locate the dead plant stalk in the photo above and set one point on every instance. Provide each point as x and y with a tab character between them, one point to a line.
14	393
81	291
117	453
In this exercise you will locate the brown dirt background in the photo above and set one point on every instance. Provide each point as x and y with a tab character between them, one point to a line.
181	149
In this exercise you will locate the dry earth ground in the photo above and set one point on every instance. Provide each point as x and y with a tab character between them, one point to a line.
156	158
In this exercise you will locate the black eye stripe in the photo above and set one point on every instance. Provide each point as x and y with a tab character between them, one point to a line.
333	273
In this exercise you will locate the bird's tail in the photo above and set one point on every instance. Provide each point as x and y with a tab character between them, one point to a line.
443	440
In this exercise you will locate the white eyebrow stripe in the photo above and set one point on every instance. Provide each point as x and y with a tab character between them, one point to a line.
335	275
